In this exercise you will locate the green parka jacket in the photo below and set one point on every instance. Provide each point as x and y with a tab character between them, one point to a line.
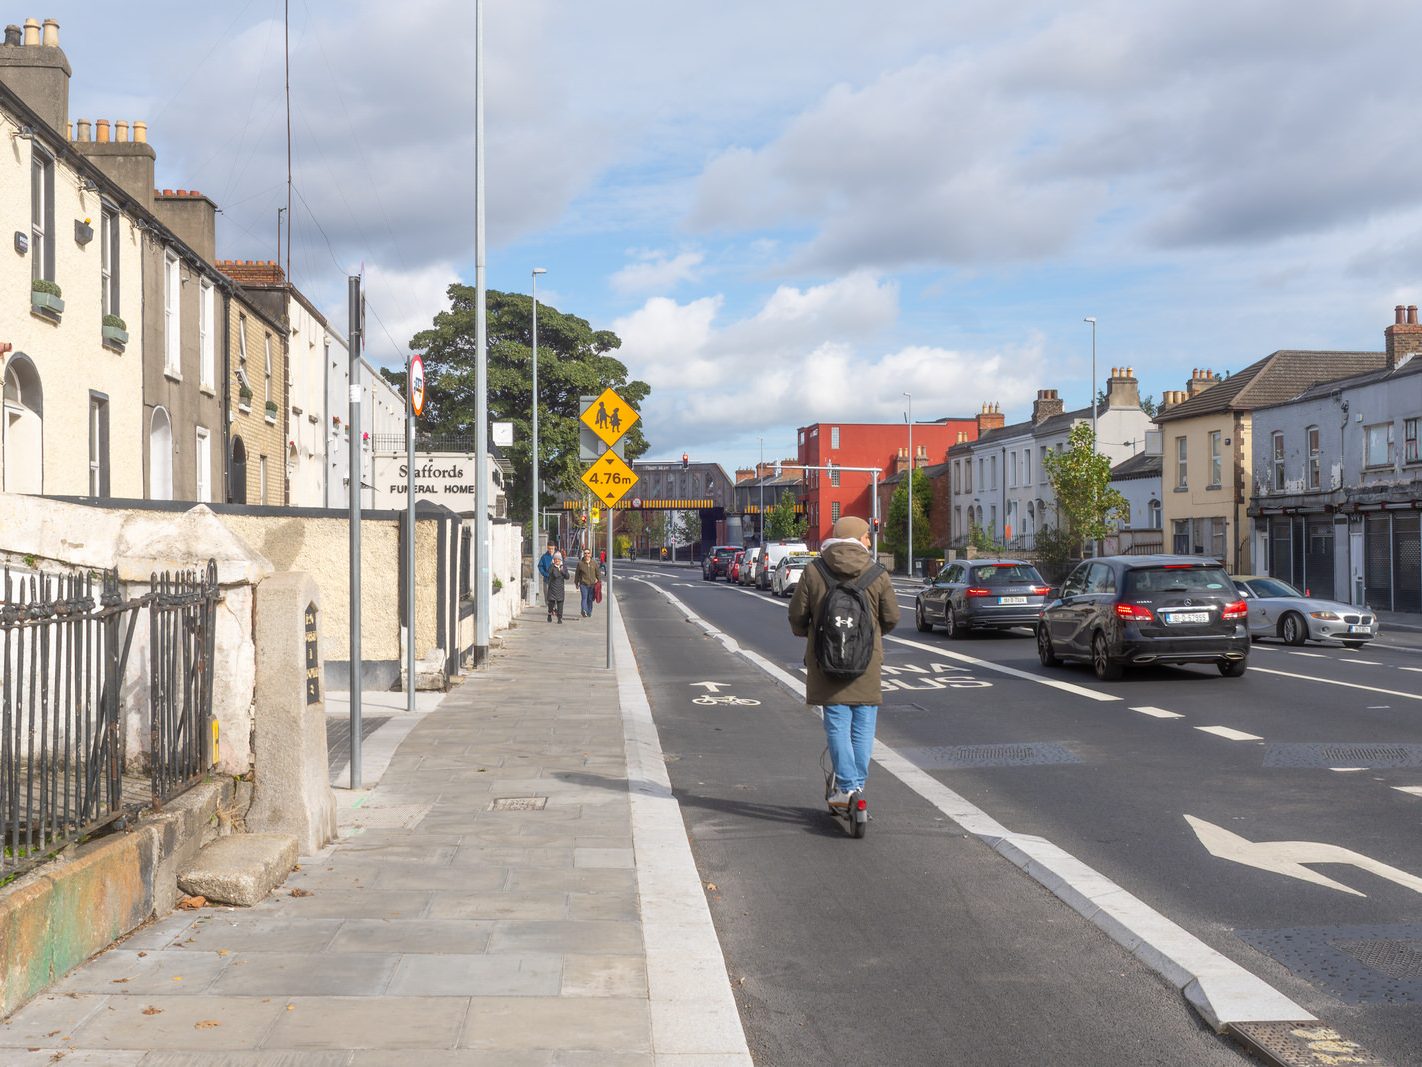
848	560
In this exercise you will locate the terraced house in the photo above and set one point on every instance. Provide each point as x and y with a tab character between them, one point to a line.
257	386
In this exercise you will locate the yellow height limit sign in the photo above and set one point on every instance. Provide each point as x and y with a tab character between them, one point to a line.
609	416
609	478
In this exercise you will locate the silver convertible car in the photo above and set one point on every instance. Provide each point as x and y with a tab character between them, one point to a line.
1277	609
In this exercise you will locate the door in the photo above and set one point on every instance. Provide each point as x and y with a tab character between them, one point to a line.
1062	616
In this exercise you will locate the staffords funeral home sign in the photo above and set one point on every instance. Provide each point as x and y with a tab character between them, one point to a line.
440	477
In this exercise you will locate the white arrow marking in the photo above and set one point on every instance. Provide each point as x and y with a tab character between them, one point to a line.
710	687
1288	857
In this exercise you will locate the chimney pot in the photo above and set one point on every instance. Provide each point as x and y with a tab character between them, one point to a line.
140	132
12	35
167	192
51	33
32	33
1130	372
1397	315
1412	314
102	136
69	131
121	132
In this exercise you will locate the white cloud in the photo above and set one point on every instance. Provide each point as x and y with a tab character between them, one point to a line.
654	271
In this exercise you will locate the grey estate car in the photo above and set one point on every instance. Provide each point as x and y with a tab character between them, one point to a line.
981	594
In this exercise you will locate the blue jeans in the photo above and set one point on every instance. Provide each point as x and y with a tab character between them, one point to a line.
849	729
587	592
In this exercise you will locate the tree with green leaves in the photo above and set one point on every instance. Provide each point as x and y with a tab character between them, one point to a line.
894	533
574	360
1080	477
781	522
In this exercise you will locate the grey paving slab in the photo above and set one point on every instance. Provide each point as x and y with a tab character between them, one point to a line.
592	1024
572	880
161	933
365	904
611	938
604	857
287	974
124	971
619	905
201	1023
604	976
501	975
510	856
72	1057
263	933
413	935
501	906
51	1019
457	1058
370	1023
266	1058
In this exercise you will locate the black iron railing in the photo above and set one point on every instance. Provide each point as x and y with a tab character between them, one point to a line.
182	609
62	656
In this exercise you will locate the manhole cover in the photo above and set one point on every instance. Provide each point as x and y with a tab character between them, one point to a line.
1301	1044
1343	754
1022	754
1380	964
519	804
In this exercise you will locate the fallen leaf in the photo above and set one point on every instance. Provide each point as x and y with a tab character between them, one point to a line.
192	903
711	886
150	1010
301	892
297	867
206	1024
177	977
142	954
51	1033
291	1007
119	981
224	952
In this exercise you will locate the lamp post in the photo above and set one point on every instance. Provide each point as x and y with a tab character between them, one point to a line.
537	531
1095	546
760	477
908	418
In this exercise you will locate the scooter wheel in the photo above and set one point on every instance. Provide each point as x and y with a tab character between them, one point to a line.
859	817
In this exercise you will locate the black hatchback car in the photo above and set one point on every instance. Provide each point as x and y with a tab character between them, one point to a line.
981	594
717	563
1121	611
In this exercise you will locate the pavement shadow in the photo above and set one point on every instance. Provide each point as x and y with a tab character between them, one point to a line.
813	820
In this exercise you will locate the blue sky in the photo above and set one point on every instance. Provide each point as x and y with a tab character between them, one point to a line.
794	212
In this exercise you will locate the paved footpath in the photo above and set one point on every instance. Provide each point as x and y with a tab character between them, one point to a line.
566	928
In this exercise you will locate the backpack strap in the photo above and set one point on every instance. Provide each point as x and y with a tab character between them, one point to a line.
865	580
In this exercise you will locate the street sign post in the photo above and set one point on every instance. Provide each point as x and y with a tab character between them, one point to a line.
609	477
414	404
417	385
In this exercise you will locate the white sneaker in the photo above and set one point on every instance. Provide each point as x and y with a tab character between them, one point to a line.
838	799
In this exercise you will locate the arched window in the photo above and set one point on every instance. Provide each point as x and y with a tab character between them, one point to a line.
237	477
1155	515
160	456
23	427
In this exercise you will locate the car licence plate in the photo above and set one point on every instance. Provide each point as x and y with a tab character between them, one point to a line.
1360	629
1176	617
1012	600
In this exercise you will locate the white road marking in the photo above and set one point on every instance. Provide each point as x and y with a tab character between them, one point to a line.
1221	990
1228	734
1413	790
1310	655
1347	770
1288	857
1159	713
1366	662
1066	687
1335	681
1417	669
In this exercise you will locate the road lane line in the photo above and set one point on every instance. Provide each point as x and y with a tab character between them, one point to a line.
1366	662
1159	713
1228	733
1417	669
1347	770
1335	681
1412	790
1310	655
1222	991
1066	687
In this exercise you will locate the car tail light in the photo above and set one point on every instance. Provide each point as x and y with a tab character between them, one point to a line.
1040	590
1238	610
1133	613
974	591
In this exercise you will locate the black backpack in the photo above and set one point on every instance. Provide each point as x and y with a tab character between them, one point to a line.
844	631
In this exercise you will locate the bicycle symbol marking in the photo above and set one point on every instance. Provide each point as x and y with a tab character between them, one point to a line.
708	699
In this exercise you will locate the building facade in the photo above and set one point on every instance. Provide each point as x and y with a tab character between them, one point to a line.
1142	529
1337	482
257	386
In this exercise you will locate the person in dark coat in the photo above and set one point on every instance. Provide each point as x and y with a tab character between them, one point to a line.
850	707
557	577
545	561
586	580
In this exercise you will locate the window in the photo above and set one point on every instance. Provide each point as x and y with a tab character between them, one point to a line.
1409	441
1012	471
1042	463
172	298
1315	450
1155	514
262	480
207	342
1181	454
1216	459
267	368
992	519
994	472
1276	476
982	482
1026	466
957	520
968	476
204	466
109	260
834	475
1180	536
834	437
41	216
98	445
1217	538
957	476
1377	443
834	509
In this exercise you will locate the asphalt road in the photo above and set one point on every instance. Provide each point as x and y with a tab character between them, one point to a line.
948	953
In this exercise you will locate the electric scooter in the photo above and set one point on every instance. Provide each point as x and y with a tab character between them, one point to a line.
855	814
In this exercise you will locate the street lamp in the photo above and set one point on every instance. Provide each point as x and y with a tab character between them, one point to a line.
536	531
760	477
1095	545
908	418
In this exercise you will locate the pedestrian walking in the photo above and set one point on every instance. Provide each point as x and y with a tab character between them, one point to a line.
557	579
848	692
586	579
545	563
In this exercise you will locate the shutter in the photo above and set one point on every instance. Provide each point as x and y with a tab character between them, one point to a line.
1318	558
1406	562
1377	561
1281	549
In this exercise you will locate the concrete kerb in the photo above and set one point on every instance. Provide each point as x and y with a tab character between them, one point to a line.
1220	990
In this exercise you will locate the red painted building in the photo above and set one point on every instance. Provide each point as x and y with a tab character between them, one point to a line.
830	494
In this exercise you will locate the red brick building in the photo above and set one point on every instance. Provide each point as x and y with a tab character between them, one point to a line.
830	494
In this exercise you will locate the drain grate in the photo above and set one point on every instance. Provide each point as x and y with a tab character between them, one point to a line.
1020	754
1301	1045
519	804
1379	964
1343	754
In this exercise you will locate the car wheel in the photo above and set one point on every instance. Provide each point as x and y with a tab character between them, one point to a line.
1355	645
1292	629
920	619
956	630
1233	668
1107	669
1045	652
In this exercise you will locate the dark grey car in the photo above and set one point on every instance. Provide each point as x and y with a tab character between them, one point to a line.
981	594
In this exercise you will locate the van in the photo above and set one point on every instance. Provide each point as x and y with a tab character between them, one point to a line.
774	553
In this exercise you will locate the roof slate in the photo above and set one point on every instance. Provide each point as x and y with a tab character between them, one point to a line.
1278	377
1141	465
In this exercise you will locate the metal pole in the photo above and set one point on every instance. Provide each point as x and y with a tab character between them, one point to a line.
908	417
483	579
760	477
353	498
608	598
874	479
409	538
1095	545
537	533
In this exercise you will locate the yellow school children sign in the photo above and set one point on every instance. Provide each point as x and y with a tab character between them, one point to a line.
609	416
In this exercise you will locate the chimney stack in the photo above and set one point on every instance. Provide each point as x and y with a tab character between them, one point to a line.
1200	380
1122	388
1047	404
1404	337
192	216
35	69
128	162
990	418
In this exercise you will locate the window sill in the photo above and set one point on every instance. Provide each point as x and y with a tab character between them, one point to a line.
208	390
1181	489
1213	488
116	347
172	376
245	409
1379	468
271	421
45	315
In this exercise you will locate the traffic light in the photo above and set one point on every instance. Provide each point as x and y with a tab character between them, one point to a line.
685	461
875	522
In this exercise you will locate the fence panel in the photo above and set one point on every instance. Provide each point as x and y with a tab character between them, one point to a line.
182	607
62	658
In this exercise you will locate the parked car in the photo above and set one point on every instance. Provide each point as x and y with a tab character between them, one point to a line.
1123	611
733	572
718	561
1277	609
788	570
752	564
981	594
774	553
